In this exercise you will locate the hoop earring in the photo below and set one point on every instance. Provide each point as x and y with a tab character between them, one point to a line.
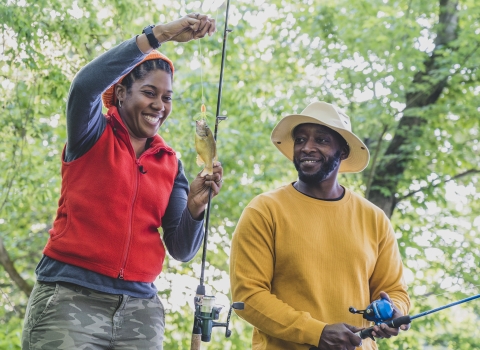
119	104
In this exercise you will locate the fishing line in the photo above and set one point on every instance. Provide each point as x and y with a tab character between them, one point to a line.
203	112
201	68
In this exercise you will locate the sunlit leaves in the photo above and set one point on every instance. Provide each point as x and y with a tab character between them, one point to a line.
281	55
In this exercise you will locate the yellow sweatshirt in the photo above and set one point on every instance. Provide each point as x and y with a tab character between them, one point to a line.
298	264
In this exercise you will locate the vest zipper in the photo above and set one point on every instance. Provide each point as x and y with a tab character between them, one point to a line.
127	248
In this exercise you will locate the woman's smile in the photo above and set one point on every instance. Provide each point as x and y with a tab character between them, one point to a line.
152	119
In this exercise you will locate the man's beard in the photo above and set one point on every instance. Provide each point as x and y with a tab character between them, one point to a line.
326	169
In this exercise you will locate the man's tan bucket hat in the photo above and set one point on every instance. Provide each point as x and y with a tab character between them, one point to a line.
328	115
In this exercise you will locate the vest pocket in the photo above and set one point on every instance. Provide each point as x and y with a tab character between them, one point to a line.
61	223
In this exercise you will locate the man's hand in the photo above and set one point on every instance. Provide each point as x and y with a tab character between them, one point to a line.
200	188
382	331
190	27
339	336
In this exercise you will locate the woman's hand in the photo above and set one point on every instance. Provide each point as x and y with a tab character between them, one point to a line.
200	188
190	27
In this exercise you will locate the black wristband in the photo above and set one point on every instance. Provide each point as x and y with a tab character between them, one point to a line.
152	40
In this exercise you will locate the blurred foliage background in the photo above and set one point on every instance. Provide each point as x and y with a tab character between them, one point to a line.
406	72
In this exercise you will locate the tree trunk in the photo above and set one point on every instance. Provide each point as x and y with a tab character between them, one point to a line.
426	89
12	272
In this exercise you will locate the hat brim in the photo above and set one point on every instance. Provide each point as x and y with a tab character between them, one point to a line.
282	138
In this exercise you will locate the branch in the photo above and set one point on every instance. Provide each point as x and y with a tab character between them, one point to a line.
5	295
374	161
16	159
352	88
12	272
5	260
458	176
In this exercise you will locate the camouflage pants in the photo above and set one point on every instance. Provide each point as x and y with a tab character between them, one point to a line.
67	316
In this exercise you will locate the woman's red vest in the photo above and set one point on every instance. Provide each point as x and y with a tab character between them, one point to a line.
112	204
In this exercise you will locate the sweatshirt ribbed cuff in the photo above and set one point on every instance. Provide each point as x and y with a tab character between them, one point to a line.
313	331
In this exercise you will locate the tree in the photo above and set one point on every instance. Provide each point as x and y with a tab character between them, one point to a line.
427	87
406	73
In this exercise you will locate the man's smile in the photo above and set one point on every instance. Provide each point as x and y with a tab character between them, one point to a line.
309	160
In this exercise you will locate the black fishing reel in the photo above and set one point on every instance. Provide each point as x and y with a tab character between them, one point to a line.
206	313
379	311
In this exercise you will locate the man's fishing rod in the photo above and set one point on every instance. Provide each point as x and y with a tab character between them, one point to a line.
205	310
378	313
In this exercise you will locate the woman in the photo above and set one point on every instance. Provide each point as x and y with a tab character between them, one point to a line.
120	183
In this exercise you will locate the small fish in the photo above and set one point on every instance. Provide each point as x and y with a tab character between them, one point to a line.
205	146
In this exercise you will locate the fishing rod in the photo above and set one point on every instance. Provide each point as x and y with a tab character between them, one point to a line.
206	312
382	310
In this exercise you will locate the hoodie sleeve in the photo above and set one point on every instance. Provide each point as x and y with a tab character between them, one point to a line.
85	120
182	234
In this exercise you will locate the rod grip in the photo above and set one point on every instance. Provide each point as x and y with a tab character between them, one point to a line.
395	323
196	342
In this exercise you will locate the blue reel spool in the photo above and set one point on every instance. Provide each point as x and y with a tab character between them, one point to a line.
379	311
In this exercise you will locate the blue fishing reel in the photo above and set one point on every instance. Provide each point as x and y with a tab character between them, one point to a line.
379	311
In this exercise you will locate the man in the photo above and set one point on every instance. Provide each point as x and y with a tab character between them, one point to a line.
305	252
